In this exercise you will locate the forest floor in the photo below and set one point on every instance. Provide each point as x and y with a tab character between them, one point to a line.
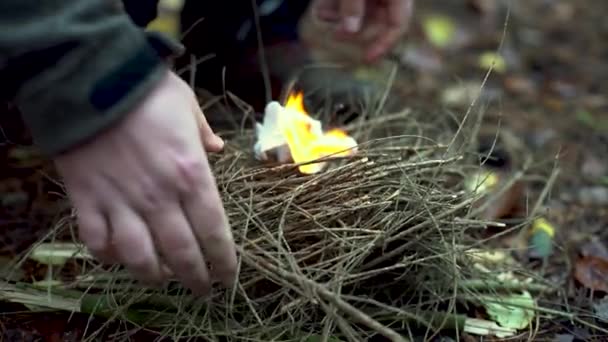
547	94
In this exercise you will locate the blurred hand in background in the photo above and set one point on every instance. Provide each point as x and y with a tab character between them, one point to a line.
378	24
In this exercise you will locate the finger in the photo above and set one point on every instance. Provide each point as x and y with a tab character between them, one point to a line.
352	13
383	44
326	10
134	244
94	231
204	210
328	15
211	141
409	10
179	247
397	18
167	272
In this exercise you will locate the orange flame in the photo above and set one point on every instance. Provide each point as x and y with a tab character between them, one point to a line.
305	139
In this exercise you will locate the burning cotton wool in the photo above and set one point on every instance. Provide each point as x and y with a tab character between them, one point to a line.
289	134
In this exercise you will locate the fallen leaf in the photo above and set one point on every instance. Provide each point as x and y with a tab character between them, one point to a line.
540	244
585	117
520	85
593	196
594	247
439	30
563	338
482	182
168	20
601	309
464	93
512	311
592	272
490	256
483	327
506	204
422	58
594	167
494	60
589	120
553	103
58	253
461	93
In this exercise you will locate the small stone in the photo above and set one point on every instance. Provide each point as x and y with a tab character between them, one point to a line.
601	309
594	196
594	168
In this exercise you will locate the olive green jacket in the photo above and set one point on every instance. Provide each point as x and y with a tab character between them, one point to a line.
75	67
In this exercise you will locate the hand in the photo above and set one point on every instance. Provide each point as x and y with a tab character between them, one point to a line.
145	195
381	22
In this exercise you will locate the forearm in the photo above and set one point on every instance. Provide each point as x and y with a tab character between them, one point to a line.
74	67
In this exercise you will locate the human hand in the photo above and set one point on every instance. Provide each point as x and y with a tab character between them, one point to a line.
380	22
145	196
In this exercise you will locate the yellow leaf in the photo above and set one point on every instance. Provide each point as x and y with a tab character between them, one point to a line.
439	30
541	224
168	19
487	59
489	256
482	182
166	25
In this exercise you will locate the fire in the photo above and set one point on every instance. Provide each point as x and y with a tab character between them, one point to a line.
305	138
296	102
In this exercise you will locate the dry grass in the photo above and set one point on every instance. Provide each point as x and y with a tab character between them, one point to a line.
370	247
373	246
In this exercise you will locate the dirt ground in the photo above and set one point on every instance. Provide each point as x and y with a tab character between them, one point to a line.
550	102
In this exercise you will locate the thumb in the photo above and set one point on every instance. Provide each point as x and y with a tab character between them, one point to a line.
351	14
211	141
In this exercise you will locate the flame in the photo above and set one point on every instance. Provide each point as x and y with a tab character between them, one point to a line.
306	140
296	102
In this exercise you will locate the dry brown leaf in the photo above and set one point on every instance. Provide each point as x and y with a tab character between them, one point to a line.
592	272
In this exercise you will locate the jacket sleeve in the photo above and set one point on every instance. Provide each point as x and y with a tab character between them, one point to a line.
75	67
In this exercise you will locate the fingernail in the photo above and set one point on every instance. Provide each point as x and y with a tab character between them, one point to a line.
219	142
167	273
352	24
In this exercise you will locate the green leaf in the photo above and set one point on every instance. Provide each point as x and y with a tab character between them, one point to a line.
541	245
541	239
588	119
512	311
46	283
58	253
483	327
585	117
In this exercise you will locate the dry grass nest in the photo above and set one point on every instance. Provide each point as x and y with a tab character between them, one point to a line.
372	247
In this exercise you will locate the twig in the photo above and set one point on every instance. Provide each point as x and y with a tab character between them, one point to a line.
330	297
